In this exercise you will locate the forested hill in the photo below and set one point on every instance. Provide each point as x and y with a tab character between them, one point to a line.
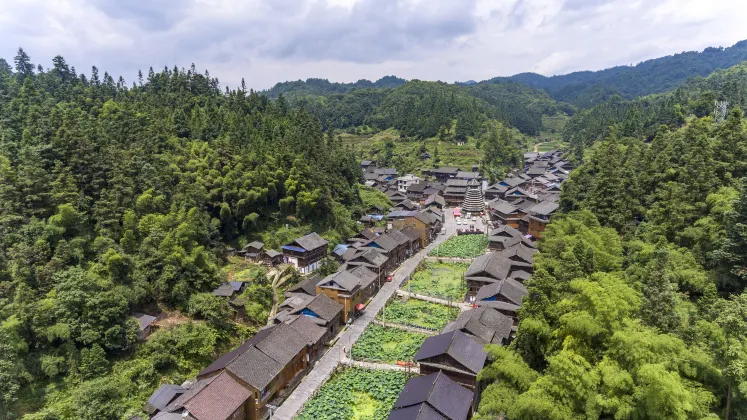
642	117
324	87
423	109
657	75
118	198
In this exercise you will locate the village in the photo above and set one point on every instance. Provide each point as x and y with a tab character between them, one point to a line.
419	292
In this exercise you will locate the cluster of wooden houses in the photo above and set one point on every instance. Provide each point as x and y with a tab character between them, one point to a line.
241	384
527	200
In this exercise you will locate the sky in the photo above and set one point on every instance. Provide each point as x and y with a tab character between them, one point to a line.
268	41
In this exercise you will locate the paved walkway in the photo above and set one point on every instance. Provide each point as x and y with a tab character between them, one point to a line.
382	366
461	305
405	327
326	365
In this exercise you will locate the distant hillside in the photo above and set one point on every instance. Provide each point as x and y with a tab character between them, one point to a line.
324	87
585	88
642	117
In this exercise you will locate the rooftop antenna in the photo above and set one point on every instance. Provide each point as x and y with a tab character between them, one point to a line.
719	111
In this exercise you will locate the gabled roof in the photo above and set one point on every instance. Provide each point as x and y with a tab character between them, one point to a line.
520	192
445	170
485	324
282	344
311	241
495	265
255	368
511	182
322	305
163	397
467	175
435	199
520	251
343	280
398	236
366	162
455	190
385	171
307	286
502	207
254	245
224	290
417	187
144	320
219	399
536	170
508	288
375	257
411	233
432	396
385	242
407	204
456	344
226	358
306	327
456	183
272	253
506	231
545	208
365	275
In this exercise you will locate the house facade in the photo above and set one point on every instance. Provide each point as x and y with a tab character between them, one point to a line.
305	253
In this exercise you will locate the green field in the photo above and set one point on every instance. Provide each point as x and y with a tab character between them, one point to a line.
356	394
464	246
436	279
386	344
419	313
551	145
407	152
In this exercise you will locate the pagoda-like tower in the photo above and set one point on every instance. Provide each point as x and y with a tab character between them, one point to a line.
474	201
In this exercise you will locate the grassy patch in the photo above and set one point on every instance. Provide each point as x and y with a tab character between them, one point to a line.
387	344
443	280
356	394
464	246
407	152
238	269
419	314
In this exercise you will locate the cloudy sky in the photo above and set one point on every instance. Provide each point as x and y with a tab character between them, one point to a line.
266	41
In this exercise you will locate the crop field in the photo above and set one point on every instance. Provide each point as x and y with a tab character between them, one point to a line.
419	313
441	280
356	394
464	246
386	344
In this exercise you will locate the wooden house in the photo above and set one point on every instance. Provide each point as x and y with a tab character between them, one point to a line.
484	324
306	252
145	325
433	396
491	268
457	355
349	290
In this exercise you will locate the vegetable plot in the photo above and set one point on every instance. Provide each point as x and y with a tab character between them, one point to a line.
419	313
465	246
356	393
386	344
441	280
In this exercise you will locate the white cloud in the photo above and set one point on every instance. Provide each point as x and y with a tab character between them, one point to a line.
266	41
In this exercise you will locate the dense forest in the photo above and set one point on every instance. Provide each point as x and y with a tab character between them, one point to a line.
116	198
642	117
636	309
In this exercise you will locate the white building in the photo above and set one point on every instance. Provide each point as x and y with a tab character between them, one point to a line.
405	181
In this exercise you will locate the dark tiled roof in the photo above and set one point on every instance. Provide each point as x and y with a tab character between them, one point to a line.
219	399
545	208
467	175
386	243
456	183
163	397
398	236
306	327
520	251
445	170
455	190
536	170
224	290
375	257
502	207
435	199
272	253
434	395
322	305
465	350
365	275
506	231
417	187
311	241
495	265
484	323
385	171
254	245
144	320
226	358
307	286
282	345
344	279
407	204
413	234
509	289
255	368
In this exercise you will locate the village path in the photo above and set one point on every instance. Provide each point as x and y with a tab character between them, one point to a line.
324	368
463	306
382	366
